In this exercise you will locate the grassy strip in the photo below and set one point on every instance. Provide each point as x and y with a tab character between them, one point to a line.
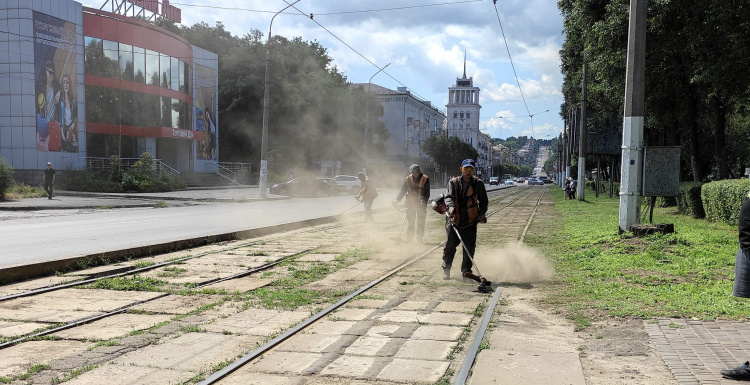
688	274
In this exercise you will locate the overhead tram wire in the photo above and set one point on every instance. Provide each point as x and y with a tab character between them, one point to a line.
330	13
311	17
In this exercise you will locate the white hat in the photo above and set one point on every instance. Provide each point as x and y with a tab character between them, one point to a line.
49	163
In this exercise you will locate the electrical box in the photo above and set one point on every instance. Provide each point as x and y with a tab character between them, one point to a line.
661	171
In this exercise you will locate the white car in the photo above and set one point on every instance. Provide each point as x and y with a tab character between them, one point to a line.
348	183
509	182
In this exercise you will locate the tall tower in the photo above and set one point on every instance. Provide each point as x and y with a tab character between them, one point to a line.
462	119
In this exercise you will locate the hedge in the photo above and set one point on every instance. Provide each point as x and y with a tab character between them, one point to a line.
722	199
6	177
689	200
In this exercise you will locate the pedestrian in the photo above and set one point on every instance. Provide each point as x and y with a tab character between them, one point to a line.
416	188
466	201
367	195
572	194
742	278
566	187
49	180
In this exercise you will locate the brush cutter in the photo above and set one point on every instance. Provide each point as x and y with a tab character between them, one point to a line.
485	286
342	213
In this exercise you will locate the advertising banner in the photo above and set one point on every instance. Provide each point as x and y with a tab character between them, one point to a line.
55	70
205	111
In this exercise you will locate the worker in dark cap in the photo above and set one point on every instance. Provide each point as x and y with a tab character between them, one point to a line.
367	195
416	188
466	204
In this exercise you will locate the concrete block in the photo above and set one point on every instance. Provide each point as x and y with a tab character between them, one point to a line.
111	327
11	329
246	377
413	371
437	333
347	366
446	319
284	362
16	359
177	304
412	305
513	368
260	322
426	350
312	343
330	327
369	303
382	331
458	307
367	346
113	374
352	314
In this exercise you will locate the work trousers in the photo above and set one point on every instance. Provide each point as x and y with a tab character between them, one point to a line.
368	210
49	187
742	274
469	236
415	217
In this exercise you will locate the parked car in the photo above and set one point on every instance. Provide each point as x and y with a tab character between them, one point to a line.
521	180
333	186
349	184
509	182
545	180
302	186
494	180
534	181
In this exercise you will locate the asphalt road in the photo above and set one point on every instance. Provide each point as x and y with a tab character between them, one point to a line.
38	239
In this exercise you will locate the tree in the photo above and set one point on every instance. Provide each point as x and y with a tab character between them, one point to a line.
448	153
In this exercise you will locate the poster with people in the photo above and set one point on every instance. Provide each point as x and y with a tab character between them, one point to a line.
205	111
55	69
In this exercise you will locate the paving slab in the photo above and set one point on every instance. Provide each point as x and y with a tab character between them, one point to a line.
259	322
241	284
114	374
47	315
383	330
17	359
457	307
33	284
524	368
426	350
412	305
364	271
367	346
437	333
399	316
115	326
348	366
446	318
84	300
191	351
318	257
246	377
10	328
100	270
413	371
284	362
369	303
178	304
349	314
313	343
330	327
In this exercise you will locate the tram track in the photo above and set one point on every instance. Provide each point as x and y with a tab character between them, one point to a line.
509	201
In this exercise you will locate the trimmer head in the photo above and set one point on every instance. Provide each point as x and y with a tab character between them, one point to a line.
485	286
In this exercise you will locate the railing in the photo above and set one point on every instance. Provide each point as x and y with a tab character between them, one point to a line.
161	168
229	170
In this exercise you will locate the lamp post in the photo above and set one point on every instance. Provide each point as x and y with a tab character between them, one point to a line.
264	136
532	119
367	118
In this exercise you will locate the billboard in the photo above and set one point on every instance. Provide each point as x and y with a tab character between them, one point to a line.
205	111
55	70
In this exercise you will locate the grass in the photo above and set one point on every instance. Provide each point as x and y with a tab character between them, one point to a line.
687	274
21	190
134	283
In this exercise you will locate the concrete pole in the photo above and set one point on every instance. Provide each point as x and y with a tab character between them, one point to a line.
264	135
632	130
568	143
582	137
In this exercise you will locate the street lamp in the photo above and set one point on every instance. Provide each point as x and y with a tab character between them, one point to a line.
264	136
532	119
367	118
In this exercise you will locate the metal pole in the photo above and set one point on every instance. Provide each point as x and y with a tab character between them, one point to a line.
632	126
367	119
264	135
582	137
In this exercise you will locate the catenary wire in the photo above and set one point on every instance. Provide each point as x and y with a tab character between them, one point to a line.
330	13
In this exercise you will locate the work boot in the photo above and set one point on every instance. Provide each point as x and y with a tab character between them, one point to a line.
446	272
741	372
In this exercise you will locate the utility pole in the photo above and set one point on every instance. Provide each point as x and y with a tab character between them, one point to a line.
632	125
582	137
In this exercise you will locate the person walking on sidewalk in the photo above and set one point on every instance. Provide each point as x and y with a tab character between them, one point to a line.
742	279
367	195
416	188
49	180
466	201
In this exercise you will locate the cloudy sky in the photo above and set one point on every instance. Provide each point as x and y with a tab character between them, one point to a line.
424	42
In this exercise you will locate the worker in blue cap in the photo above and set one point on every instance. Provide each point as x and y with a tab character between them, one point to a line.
466	204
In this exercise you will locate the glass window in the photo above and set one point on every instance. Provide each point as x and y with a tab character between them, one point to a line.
139	64
111	67
93	56
101	105
468	115
455	114
126	62
152	68
187	80
153	110
175	74
166	111
175	110
126	108
165	66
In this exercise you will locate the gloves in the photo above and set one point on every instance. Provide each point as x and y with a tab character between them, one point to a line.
357	198
451	211
482	219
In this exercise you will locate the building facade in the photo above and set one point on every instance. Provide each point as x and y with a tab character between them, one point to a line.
463	110
80	84
409	121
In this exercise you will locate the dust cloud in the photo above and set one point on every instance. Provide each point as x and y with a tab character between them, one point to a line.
513	263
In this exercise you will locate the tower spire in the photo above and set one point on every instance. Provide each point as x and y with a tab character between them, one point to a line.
464	64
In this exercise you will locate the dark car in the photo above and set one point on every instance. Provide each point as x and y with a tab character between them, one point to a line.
334	187
303	186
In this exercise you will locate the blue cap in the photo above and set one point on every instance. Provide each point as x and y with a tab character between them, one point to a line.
468	163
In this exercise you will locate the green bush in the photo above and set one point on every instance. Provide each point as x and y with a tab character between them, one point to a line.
689	200
6	177
666	201
722	199
85	180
